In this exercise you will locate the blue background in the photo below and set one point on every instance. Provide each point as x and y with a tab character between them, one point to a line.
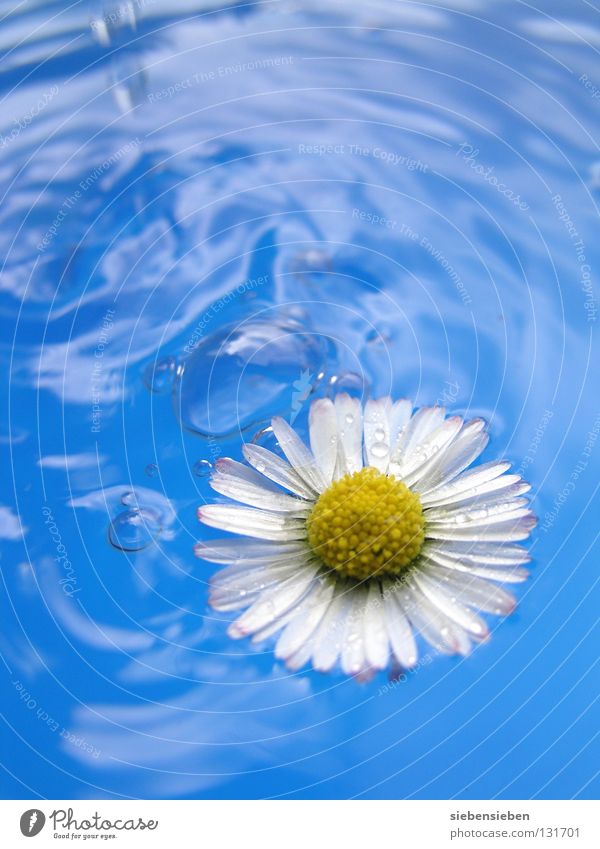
368	196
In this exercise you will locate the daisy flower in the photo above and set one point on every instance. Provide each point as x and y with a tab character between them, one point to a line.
375	533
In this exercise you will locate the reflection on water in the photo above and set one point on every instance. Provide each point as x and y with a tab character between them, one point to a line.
211	215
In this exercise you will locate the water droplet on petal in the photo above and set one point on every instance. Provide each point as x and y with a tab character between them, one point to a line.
379	434
379	449
349	418
134	530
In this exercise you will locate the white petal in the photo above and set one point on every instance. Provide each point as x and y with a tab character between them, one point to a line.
493	503
298	454
277	470
238	591
251	522
303	626
302	656
258	496
399	418
455	459
475	592
328	638
244	551
433	625
399	630
227	466
322	422
493	553
417	463
481	518
236	577
448	604
490	492
511	530
506	574
376	425
349	418
233	601
476	510
353	641
295	612
464	483
272	604
377	649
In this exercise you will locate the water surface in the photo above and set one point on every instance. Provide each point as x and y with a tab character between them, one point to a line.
210	216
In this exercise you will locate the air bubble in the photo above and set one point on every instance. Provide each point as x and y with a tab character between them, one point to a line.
134	530
242	375
159	376
350	382
202	468
265	437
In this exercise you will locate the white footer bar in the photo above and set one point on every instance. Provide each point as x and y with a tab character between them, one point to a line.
302	824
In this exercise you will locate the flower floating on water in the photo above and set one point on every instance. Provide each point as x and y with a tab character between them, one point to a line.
375	533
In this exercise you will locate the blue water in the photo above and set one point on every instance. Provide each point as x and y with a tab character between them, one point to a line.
208	214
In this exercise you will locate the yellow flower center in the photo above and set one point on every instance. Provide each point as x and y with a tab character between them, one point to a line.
367	524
